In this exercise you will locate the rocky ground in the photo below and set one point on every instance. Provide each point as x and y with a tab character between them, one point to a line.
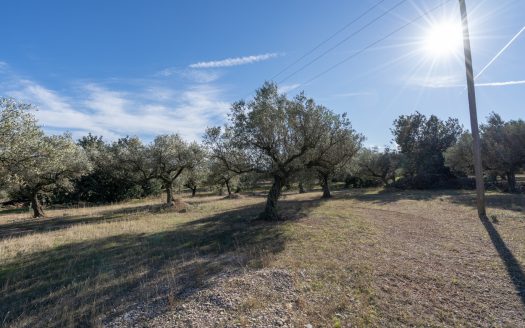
268	295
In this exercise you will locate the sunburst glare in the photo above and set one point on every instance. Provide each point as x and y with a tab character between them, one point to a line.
443	39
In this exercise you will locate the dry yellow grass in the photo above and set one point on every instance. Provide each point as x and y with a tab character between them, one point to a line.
364	258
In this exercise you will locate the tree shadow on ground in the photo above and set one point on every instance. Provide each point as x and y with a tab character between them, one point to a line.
19	228
514	270
22	227
18	210
87	283
507	201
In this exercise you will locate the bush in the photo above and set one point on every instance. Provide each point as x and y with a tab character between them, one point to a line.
435	181
352	181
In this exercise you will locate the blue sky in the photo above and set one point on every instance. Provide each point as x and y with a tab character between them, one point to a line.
143	68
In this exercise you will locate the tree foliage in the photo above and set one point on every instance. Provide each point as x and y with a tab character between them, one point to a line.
422	142
112	178
336	148
169	156
272	135
269	137
58	161
220	176
196	177
378	165
502	150
19	133
503	147
33	163
459	157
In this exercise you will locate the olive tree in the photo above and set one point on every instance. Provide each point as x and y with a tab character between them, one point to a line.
377	165
196	177
459	157
220	175
503	147
170	156
112	177
58	161
132	158
19	135
271	135
306	179
423	140
337	146
32	163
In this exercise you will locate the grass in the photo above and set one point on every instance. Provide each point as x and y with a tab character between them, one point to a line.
364	258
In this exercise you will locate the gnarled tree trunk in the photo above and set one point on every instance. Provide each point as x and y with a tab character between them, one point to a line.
270	210
511	179
193	191
228	187
301	188
169	195
326	186
38	211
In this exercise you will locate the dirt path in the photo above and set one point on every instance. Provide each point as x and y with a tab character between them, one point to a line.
442	269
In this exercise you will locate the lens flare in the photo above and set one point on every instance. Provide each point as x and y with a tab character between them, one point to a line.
443	39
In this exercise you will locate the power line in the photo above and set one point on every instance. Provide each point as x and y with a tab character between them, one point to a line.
328	39
344	40
377	41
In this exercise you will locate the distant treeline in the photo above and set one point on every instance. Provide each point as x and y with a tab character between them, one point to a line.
293	143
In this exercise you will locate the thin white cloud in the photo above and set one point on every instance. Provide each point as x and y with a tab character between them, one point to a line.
103	101
114	113
167	72
288	87
440	82
228	62
200	76
159	93
451	82
193	75
500	84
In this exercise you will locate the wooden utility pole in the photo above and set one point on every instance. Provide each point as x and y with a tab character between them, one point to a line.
480	184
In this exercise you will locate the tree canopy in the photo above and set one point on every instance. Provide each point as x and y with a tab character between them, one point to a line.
276	136
169	156
33	163
422	142
378	165
503	147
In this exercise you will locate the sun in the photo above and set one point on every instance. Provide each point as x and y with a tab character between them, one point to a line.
443	39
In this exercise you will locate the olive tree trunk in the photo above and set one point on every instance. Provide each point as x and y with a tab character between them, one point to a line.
326	186
511	179
270	210
301	188
169	194
193	191
228	187
38	211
